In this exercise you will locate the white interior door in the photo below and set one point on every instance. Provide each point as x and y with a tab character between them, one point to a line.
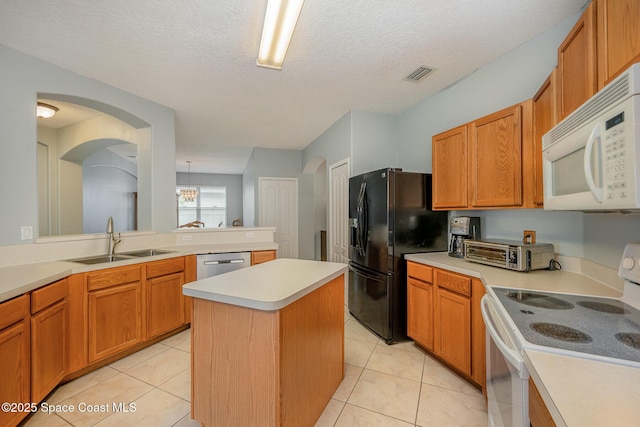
278	207
339	212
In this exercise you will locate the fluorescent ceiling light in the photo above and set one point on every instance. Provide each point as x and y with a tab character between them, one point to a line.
279	22
45	110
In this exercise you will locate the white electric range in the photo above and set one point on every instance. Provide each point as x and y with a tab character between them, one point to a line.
597	328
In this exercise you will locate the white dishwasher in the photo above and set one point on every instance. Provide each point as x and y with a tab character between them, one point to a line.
219	263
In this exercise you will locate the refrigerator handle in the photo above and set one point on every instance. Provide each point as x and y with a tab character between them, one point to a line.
362	218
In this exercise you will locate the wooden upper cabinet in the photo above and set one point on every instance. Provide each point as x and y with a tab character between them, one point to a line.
544	118
496	159
618	37
449	156
577	70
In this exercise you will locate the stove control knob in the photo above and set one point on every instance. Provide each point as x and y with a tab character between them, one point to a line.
628	263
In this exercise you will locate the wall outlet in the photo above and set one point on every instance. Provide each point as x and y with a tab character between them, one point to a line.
251	235
26	232
187	238
529	236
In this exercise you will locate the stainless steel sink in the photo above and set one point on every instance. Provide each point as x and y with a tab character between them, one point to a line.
146	252
99	259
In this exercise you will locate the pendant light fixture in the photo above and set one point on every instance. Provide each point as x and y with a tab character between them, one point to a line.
280	20
189	194
45	111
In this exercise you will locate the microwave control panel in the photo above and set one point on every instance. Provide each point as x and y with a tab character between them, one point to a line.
614	157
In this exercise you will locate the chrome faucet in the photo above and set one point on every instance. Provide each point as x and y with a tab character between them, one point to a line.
113	240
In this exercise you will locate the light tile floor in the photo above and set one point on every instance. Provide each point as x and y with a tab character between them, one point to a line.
384	385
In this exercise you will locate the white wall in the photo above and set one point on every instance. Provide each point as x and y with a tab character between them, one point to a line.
23	77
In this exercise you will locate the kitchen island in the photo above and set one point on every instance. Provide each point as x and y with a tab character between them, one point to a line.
267	343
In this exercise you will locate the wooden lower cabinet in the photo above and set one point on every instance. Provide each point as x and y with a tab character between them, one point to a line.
115	319
539	415
165	304
258	257
420	312
452	329
15	350
443	317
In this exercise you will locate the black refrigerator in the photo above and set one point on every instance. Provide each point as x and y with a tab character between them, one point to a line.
389	216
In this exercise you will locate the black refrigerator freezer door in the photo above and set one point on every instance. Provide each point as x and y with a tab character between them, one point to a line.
369	220
370	293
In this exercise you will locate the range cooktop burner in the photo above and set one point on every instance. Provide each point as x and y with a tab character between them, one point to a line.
540	300
585	324
612	308
560	332
629	339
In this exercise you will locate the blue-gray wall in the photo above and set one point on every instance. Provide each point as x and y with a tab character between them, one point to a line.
376	140
23	77
233	183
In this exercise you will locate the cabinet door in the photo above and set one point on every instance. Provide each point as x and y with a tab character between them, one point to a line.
538	412
577	80
496	159
452	327
449	160
115	319
48	345
618	37
420	312
15	360
165	304
544	118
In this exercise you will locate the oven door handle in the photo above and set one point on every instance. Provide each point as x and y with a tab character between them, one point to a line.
509	353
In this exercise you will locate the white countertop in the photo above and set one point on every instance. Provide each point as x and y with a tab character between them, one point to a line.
577	391
268	286
541	280
19	279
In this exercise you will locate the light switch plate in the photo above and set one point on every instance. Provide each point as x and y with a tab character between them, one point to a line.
26	232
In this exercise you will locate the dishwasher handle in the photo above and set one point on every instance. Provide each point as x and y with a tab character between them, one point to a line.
224	261
509	353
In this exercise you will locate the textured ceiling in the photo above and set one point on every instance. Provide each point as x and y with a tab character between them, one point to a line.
198	57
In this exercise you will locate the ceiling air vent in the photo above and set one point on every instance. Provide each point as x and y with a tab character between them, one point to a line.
419	73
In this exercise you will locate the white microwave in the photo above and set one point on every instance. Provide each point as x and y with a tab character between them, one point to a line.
591	159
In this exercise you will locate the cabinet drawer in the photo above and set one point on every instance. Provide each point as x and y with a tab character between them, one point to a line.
48	295
113	276
420	271
258	257
164	267
14	310
453	282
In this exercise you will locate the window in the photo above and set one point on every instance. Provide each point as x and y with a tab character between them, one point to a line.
210	206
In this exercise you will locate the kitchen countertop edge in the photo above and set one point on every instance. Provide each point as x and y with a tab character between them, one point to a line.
268	286
20	279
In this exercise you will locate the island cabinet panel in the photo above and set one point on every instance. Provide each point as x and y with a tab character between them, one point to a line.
311	335
267	368
49	314
235	364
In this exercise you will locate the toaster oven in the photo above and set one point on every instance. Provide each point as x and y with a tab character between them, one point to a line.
510	254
